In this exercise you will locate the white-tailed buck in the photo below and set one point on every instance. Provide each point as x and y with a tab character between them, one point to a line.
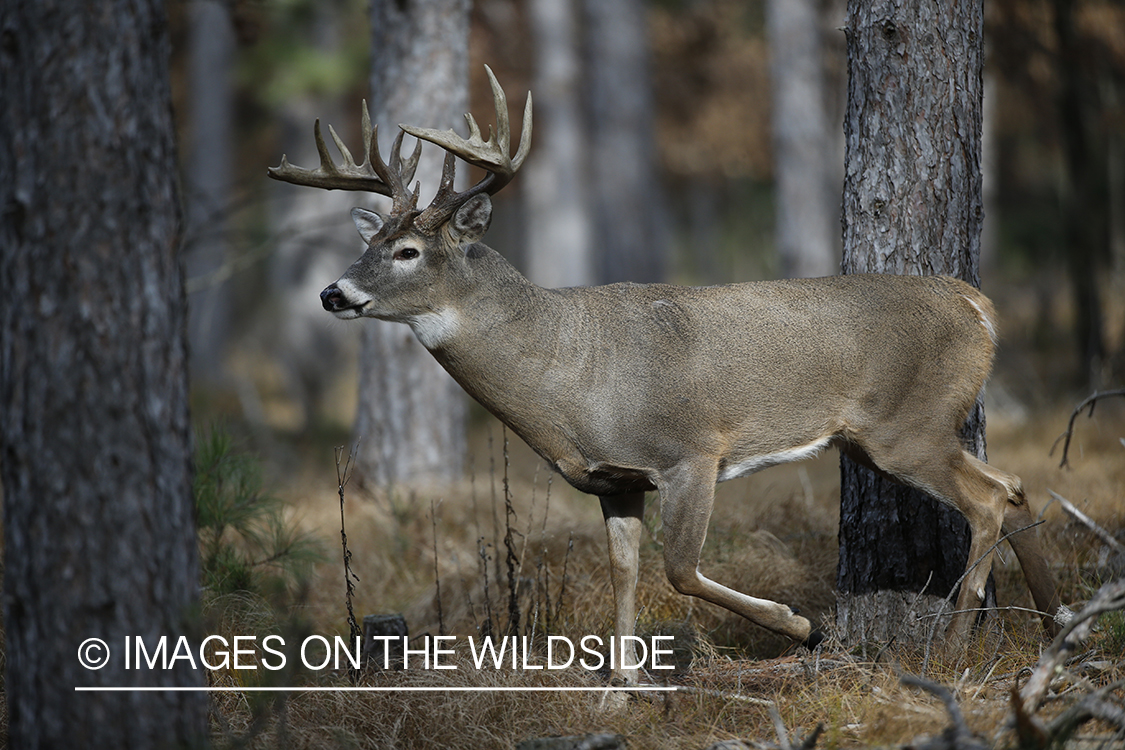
628	388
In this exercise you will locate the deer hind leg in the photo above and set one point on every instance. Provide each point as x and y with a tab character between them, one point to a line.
686	497
624	515
982	497
953	476
1017	516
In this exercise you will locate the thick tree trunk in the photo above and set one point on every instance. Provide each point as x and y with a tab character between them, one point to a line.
626	196
912	205
807	214
411	419
99	540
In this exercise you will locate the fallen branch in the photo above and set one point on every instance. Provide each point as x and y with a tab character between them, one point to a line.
725	694
1092	706
1090	401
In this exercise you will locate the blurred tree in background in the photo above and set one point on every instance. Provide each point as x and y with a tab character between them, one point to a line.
410	424
1062	71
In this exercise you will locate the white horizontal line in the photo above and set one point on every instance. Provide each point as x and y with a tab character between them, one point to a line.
315	689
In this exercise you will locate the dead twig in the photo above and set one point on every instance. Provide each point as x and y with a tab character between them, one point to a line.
1093	706
1090	401
1108	598
1088	522
949	597
957	736
437	573
342	476
726	694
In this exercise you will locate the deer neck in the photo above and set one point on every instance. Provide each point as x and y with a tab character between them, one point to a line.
498	336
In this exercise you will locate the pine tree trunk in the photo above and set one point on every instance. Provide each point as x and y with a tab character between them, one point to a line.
411	417
99	540
912	205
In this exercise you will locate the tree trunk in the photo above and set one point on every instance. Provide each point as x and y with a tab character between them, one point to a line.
411	417
912	205
555	180
628	227
99	540
803	175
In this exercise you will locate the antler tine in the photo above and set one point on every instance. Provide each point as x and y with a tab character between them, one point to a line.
349	162
350	176
491	155
503	125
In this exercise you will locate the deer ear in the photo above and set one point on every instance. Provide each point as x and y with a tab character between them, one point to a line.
471	221
367	222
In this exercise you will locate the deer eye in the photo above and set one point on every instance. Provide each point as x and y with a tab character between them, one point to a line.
406	253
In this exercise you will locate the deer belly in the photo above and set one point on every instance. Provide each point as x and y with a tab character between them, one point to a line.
749	464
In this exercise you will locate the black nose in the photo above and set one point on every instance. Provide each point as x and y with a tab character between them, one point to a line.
332	298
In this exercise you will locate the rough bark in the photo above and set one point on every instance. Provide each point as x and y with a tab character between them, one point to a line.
807	214
99	539
623	182
912	205
410	422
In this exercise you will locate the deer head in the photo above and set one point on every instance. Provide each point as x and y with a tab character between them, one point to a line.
411	265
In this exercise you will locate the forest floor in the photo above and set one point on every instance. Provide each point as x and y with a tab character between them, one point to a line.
772	535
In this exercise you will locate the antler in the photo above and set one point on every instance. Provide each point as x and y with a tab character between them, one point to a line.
373	175
492	155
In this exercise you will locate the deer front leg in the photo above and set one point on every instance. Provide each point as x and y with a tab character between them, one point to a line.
686	497
623	517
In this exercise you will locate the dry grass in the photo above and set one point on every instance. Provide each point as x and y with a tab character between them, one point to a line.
773	535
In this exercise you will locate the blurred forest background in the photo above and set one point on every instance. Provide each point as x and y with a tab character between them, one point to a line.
716	117
689	141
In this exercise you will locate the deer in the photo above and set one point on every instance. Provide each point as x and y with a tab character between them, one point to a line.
628	388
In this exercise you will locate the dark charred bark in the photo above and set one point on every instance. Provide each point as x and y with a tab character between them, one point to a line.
912	205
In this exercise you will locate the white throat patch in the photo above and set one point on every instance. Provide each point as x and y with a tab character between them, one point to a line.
435	328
